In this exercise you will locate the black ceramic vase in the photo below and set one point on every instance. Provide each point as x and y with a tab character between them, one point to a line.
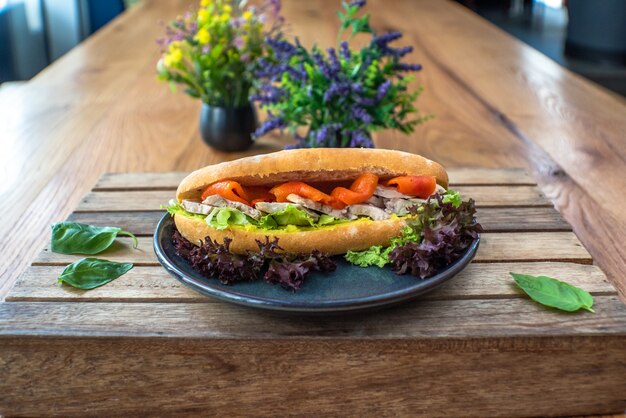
228	128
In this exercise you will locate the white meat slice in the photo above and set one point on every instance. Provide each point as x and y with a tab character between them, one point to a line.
370	211
218	201
308	203
389	193
439	189
271	207
379	202
196	207
401	206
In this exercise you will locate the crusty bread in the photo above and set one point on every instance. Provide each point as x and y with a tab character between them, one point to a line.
311	165
338	239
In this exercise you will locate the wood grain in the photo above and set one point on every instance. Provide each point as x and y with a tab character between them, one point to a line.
502	219
383	378
425	320
509	246
154	284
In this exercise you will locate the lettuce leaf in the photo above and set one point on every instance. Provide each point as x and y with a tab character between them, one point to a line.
222	218
378	255
297	217
291	215
450	196
373	256
174	208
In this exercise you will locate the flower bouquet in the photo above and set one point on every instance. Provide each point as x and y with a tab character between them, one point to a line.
339	98
213	53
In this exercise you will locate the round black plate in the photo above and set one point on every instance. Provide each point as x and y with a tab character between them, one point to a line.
347	289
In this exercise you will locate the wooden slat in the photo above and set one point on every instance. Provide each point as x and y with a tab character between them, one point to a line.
509	246
171	180
465	319
154	284
321	377
492	219
485	196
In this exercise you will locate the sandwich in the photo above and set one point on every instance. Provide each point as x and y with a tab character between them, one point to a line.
334	201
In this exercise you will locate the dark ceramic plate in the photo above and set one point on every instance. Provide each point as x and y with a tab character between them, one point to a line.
347	289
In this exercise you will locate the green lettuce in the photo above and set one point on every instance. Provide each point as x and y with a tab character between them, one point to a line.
222	218
378	255
174	208
450	196
291	215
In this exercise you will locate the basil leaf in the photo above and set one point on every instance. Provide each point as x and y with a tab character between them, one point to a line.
554	293
77	238
89	273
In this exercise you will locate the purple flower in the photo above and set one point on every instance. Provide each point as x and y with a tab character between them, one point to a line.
239	42
318	59
408	67
357	3
383	40
237	22
345	51
361	114
206	49
361	139
400	52
274	6
338	88
382	90
282	49
269	125
327	132
270	94
332	59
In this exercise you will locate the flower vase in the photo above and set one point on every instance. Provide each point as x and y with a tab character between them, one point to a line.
228	129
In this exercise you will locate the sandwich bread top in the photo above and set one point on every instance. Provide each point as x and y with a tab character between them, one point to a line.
311	165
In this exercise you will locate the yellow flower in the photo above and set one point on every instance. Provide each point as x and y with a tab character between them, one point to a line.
173	57
203	36
203	15
247	15
227	9
205	3
225	17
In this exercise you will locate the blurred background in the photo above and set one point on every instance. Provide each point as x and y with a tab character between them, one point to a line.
588	37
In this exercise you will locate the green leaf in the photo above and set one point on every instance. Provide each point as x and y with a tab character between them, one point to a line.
174	208
222	218
77	238
450	196
89	273
376	255
554	293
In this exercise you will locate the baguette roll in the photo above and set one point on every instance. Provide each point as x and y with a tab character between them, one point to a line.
312	166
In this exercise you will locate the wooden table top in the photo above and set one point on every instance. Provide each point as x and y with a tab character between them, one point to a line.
498	103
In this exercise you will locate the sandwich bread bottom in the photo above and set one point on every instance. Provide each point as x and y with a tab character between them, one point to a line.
336	239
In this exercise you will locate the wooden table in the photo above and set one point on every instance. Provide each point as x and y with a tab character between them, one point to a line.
498	103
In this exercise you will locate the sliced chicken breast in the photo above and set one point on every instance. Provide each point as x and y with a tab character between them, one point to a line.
370	211
389	193
319	207
272	207
196	207
219	201
401	206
